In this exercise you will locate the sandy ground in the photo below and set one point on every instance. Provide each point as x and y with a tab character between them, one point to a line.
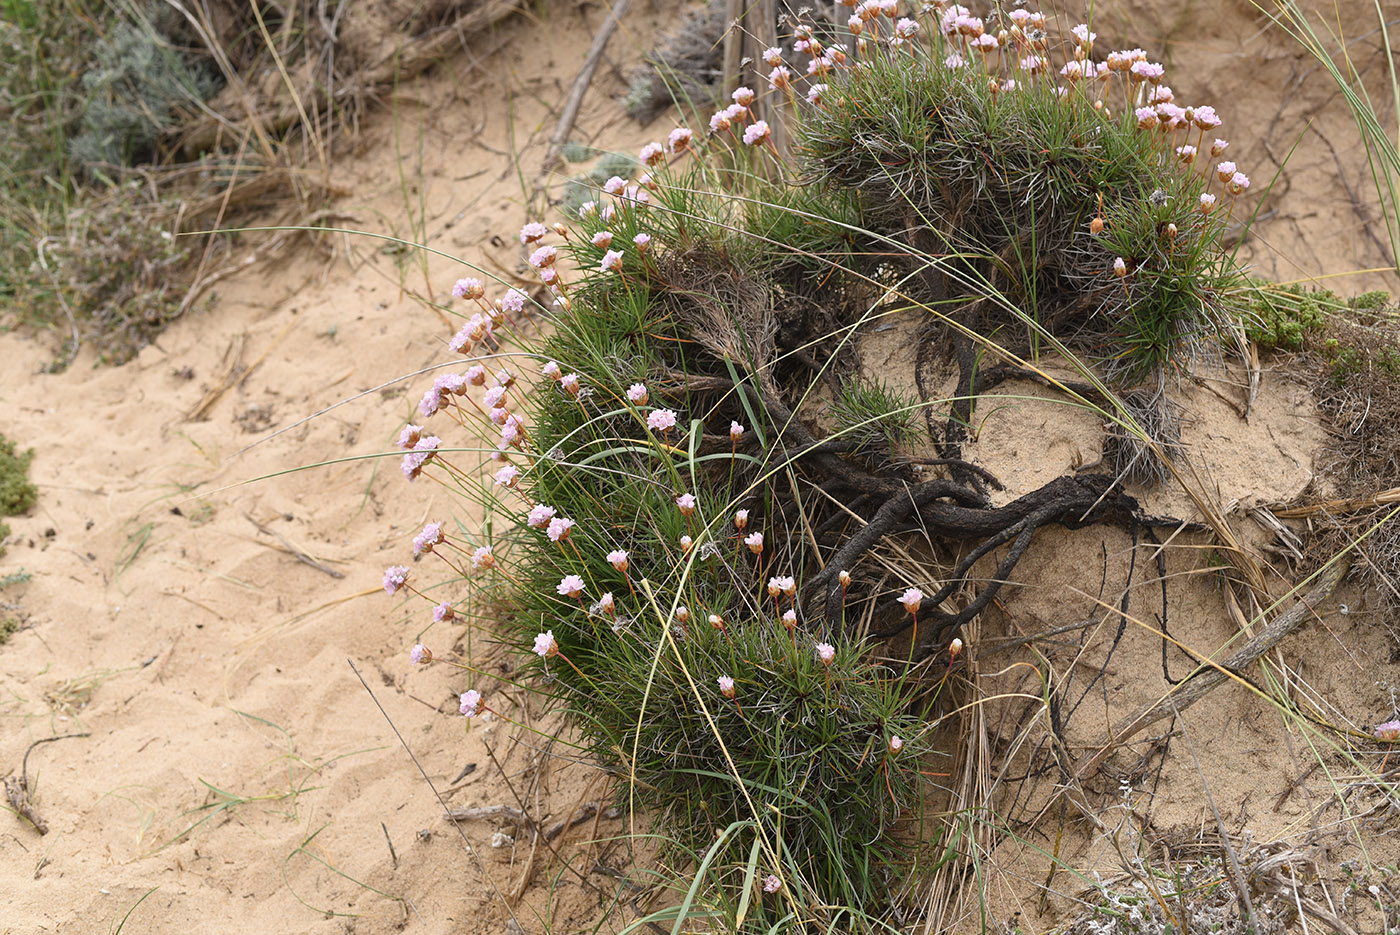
231	765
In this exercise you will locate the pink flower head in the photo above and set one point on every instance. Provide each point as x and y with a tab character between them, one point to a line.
1390	730
559	529
394	578
494	397
844	577
483	557
513	301
510	432
570	586
423	450
1218	147
498	415
1149	71
587	210
781	585
896	743
1187	153
779	78
1207	203
569	383
741	519
420	655
551	370
772	56
686	503
409	436
1238	183
719	122
679	139
906	28
682	614
815	92
606	604
651	154
468	288
754	541
461	342
508	476
726	686
618	560
470	702
742	96
612	262
454	383
614	185
1225	170
476	375
790	618
540	515
735	112
603	240
1082	35
911	599
1206	118
543	257
443	612
686	543
545	646
637	394
429	537
1120	267
771	883
736	432
532	232
1146	117
756	133
661	420
826	653
643	241
431	402
856	24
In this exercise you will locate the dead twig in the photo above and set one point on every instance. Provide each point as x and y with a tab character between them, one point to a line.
490	813
292	550
17	789
562	129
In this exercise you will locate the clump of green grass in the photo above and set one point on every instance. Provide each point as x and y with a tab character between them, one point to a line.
870	412
1010	188
703	575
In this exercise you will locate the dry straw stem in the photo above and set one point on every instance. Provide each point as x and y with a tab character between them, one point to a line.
408	59
1209	675
1351	505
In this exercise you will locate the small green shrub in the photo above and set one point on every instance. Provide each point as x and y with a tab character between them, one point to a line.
135	90
17	493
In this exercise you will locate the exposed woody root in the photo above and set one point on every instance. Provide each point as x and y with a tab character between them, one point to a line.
944	510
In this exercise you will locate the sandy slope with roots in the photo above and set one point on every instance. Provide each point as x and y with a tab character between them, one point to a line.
231	765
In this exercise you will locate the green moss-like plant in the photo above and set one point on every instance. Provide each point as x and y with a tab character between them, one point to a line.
17	492
1281	317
